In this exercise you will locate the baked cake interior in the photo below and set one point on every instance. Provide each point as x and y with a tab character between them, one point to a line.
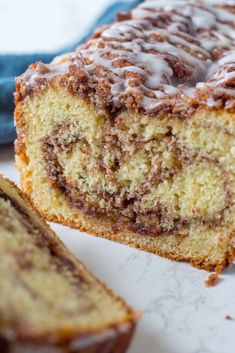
44	292
154	177
132	135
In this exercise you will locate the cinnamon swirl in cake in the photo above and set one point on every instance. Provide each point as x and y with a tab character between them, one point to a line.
132	136
49	301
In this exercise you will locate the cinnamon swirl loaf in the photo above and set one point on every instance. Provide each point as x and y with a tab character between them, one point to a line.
132	136
49	302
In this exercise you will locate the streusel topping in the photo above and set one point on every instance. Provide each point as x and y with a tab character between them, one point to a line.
162	56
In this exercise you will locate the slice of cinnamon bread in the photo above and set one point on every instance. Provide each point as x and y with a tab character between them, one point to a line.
49	301
132	136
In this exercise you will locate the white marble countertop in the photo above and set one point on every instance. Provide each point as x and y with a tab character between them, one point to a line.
180	315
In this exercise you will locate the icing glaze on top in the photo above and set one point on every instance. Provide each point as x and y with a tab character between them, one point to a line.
159	53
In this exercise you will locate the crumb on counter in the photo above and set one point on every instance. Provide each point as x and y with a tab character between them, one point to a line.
228	317
212	280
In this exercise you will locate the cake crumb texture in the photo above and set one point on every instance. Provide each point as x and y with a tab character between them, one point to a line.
164	185
47	297
131	136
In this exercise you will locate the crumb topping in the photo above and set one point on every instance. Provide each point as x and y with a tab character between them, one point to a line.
168	56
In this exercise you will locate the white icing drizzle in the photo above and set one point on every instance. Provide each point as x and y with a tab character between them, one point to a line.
221	72
166	49
57	67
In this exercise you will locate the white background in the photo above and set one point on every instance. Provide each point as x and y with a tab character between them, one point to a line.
179	314
45	25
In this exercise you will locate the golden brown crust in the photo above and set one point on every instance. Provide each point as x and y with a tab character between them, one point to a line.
112	339
128	239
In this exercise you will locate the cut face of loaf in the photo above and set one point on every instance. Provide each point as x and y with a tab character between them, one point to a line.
49	301
131	136
163	185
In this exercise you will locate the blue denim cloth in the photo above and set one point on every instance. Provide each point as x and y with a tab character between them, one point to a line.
13	65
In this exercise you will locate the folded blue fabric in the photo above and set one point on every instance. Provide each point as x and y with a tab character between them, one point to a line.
13	65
